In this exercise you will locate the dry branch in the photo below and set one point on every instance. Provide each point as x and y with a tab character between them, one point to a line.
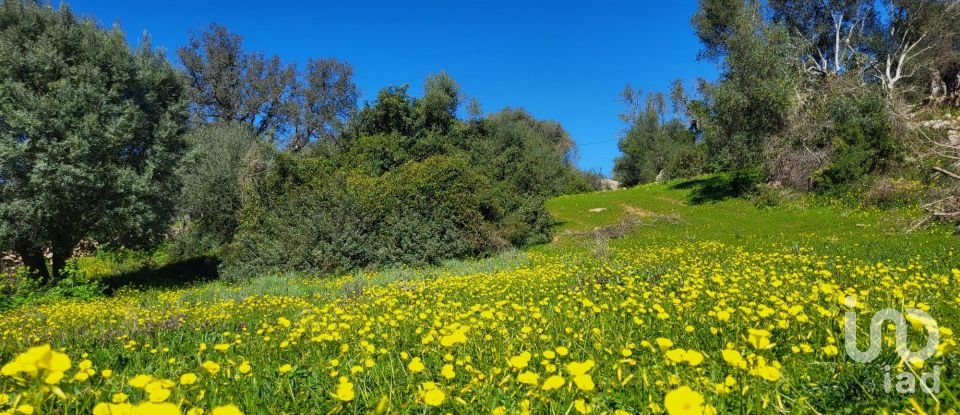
947	172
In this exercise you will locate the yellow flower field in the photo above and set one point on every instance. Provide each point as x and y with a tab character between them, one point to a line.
688	328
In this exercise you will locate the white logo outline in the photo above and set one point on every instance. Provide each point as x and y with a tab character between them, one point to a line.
876	330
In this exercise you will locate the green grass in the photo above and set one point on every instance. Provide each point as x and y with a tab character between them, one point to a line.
677	211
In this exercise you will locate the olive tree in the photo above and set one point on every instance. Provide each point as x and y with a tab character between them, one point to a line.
90	132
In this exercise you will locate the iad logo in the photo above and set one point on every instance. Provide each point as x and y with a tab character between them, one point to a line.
906	381
900	327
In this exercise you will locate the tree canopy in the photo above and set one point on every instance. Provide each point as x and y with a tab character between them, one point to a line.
815	94
408	182
90	133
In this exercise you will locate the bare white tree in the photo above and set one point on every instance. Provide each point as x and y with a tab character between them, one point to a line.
836	59
906	41
905	51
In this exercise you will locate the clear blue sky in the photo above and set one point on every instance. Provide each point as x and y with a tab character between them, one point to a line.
564	61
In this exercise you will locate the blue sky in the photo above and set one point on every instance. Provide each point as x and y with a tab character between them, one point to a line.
564	61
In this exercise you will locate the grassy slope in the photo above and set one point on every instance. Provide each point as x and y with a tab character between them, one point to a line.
701	210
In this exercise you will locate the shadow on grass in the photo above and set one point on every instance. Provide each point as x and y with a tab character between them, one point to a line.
171	275
719	187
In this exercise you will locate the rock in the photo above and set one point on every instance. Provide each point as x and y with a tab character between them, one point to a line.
609	184
9	262
595	210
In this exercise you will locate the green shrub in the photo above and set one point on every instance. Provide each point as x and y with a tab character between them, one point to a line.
861	140
305	215
532	157
527	224
22	288
688	161
75	284
18	288
408	183
110	261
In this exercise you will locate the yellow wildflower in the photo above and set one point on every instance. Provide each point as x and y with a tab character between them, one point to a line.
584	382
344	390
553	382
520	361
415	365
528	378
226	410
683	401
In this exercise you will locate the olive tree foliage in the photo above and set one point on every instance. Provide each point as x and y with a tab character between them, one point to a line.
810	91
213	171
228	83
89	133
245	103
653	144
396	112
513	148
326	99
716	22
231	84
757	87
441	99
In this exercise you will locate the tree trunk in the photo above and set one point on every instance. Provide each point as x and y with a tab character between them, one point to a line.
938	88
62	250
32	257
956	90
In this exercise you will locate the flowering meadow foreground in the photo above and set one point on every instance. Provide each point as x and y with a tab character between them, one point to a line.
673	318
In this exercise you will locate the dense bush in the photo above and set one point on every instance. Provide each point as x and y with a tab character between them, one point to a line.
530	156
688	161
860	137
306	215
410	183
835	138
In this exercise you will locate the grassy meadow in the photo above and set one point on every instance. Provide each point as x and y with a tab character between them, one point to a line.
666	298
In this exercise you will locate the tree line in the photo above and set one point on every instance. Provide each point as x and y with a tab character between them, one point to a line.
812	95
237	154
